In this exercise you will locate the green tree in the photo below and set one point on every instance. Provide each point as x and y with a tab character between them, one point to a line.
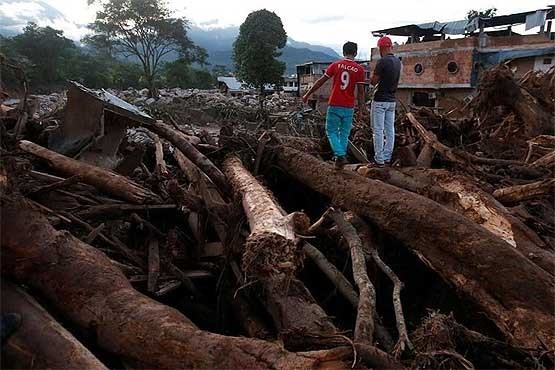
180	73
256	48
487	13
46	51
143	29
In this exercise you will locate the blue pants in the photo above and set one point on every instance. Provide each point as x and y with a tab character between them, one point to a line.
339	121
383	128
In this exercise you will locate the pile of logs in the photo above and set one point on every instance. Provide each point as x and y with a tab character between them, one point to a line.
251	253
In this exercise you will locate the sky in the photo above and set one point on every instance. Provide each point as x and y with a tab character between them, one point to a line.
323	22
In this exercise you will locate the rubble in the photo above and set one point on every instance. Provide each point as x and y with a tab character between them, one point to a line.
218	244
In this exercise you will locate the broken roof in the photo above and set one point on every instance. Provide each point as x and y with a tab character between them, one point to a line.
232	83
116	104
463	26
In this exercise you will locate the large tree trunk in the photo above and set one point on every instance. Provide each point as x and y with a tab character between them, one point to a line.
511	290
180	141
88	290
271	246
40	342
462	195
270	255
100	178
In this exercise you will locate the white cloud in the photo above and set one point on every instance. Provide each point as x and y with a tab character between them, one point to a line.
340	21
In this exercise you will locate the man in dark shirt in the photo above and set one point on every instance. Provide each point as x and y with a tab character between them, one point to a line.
386	76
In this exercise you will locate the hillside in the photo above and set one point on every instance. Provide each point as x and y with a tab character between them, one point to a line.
217	41
219	44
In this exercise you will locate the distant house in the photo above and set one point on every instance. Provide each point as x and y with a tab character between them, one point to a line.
290	85
440	73
232	86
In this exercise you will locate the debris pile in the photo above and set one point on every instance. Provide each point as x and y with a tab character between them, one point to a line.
204	251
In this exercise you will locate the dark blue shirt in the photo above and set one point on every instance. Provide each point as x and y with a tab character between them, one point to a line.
389	70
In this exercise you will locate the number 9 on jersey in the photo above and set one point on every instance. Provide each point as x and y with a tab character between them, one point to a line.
345	80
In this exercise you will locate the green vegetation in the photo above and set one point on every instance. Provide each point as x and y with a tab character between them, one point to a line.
256	48
109	59
145	30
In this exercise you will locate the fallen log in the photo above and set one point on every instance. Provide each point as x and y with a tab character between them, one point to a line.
462	195
271	246
516	298
364	326
40	342
547	161
270	256
176	138
161	169
332	273
426	156
370	245
93	294
100	178
519	193
456	156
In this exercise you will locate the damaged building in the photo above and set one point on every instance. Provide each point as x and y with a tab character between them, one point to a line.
443	61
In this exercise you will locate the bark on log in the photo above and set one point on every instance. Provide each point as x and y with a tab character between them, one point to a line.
100	178
511	290
84	286
426	156
333	274
462	195
370	245
161	169
270	256
176	138
40	342
547	161
518	193
271	246
364	326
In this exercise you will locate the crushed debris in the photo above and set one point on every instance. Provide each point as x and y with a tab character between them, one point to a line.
199	218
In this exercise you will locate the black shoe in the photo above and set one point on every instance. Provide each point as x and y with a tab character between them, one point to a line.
10	322
340	162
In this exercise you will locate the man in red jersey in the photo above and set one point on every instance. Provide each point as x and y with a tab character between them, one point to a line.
346	74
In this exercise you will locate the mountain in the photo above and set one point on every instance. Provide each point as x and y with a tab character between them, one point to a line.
218	42
15	14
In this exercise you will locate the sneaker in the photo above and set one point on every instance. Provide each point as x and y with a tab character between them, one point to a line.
10	322
387	164
340	162
374	164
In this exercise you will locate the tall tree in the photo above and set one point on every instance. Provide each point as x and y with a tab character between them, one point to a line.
143	29
46	51
256	48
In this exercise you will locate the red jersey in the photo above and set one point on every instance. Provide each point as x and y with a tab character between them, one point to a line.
346	74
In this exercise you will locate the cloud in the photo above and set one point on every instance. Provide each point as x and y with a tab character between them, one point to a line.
324	19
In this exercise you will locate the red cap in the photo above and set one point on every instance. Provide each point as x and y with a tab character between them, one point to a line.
384	42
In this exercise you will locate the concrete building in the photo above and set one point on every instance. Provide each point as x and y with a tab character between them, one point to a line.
440	72
232	86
